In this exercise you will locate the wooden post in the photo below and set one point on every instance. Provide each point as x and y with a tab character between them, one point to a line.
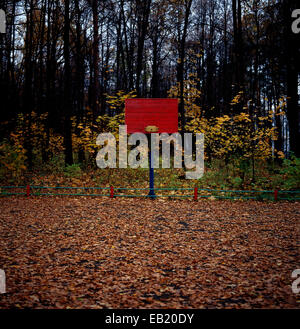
28	191
111	191
195	193
276	195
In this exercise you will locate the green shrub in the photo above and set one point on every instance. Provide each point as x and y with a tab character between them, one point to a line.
72	171
55	165
12	162
236	182
291	173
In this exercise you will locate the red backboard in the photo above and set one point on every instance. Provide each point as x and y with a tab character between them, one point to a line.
159	112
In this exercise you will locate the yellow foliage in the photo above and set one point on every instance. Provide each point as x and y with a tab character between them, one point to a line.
117	101
191	95
237	135
12	159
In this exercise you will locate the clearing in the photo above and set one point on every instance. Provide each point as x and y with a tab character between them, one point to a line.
86	252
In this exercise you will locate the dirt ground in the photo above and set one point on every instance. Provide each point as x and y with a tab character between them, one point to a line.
85	252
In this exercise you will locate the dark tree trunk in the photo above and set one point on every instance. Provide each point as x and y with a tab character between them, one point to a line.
96	86
79	78
67	90
143	11
28	92
180	66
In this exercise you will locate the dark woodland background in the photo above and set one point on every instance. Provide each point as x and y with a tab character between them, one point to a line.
69	65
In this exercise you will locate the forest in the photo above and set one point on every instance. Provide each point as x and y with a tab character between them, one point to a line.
66	68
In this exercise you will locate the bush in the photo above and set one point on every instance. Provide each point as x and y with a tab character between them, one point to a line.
236	182
12	160
291	173
72	171
55	165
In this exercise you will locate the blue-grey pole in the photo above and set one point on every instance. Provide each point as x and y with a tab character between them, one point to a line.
151	177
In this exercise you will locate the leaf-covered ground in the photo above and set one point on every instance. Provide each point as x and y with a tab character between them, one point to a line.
67	252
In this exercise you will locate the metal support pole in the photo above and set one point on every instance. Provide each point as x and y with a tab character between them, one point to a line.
151	178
